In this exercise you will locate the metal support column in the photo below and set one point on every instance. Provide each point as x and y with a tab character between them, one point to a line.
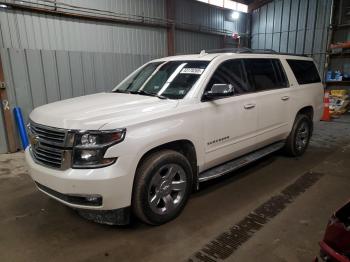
6	112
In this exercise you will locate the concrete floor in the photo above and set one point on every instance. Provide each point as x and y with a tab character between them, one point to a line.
36	228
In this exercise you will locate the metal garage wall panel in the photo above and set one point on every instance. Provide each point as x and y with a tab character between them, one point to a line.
194	12
299	26
35	31
285	25
88	73
36	77
302	19
60	75
150	8
188	42
64	74
76	67
99	72
50	76
321	11
262	27
269	25
310	29
277	23
293	25
20	81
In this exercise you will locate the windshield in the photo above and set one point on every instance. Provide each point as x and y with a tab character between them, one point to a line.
172	79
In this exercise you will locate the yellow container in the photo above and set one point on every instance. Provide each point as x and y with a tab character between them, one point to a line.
339	92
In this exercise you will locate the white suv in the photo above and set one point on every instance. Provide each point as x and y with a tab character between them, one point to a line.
171	124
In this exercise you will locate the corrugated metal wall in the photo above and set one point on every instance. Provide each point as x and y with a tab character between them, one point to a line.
189	42
33	31
58	75
194	12
293	26
151	8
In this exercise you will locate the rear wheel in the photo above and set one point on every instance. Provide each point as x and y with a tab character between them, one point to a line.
299	138
162	186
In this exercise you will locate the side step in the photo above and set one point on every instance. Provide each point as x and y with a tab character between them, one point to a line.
238	162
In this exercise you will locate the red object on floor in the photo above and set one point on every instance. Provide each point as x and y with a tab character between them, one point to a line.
326	114
335	245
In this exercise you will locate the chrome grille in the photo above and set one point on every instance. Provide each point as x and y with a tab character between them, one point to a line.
48	134
48	145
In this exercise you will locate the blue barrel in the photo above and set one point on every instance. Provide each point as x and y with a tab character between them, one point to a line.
21	126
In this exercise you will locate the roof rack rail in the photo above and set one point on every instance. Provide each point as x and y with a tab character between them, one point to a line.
247	51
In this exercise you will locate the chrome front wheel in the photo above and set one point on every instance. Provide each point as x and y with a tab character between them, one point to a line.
167	188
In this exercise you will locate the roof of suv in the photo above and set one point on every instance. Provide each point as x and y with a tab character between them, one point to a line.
211	54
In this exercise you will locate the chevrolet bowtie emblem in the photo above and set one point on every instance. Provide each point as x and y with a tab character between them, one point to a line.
34	140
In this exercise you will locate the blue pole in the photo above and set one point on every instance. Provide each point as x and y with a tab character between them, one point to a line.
21	127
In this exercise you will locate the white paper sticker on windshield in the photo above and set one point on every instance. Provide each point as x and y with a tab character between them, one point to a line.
195	71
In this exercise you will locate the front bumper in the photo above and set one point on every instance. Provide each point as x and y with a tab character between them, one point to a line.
112	184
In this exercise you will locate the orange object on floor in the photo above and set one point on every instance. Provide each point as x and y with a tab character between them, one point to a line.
326	114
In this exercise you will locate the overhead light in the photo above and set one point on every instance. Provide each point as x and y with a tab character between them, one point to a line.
235	15
3	6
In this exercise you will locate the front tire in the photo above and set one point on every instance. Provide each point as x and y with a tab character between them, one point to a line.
299	138
162	186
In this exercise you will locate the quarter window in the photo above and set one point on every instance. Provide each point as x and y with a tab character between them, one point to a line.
265	74
305	71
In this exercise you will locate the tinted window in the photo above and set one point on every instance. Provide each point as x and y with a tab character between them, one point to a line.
265	74
281	75
230	72
305	71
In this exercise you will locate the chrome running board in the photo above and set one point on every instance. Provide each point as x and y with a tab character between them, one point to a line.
239	162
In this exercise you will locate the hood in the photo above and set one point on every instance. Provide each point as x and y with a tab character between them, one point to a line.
94	111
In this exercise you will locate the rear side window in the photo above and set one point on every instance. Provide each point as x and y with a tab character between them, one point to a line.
265	74
305	71
231	72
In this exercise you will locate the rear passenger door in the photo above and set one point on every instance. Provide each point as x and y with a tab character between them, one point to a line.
272	95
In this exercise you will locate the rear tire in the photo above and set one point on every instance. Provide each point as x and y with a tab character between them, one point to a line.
299	138
163	183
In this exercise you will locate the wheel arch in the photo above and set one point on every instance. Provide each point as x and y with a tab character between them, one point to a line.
307	110
185	147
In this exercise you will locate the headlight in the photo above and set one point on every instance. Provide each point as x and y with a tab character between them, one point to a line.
91	146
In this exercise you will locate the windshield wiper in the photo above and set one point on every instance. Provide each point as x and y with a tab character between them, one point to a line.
145	93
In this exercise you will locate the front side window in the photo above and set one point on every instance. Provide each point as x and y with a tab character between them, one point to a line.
172	79
265	74
305	71
230	72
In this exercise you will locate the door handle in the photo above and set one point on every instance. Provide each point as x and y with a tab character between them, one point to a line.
249	106
285	98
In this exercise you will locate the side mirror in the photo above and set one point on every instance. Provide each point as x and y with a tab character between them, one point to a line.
219	90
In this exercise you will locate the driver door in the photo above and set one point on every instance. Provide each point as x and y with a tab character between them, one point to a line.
230	123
